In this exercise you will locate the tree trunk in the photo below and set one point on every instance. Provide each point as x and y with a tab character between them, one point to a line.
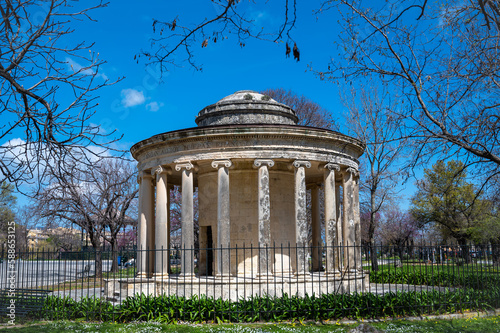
373	256
400	249
371	227
114	256
495	252
98	262
462	242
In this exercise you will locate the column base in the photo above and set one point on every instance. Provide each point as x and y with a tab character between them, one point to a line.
187	277
160	276
265	277
223	277
351	271
301	277
333	273
141	275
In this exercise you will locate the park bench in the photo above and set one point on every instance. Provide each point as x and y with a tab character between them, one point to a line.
26	300
86	270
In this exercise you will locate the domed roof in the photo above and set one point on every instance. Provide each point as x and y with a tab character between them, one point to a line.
246	107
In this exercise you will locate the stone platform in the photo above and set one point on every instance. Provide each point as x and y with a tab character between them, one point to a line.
236	288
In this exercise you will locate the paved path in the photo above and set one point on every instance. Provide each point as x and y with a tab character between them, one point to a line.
32	274
79	293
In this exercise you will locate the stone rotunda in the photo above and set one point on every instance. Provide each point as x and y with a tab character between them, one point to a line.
252	165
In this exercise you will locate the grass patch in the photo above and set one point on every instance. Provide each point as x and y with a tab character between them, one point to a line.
80	283
128	272
485	325
468	276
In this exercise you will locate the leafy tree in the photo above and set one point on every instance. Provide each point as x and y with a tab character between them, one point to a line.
7	204
444	197
48	82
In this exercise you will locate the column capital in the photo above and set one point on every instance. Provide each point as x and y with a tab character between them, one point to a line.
161	169
185	165
332	166
221	163
313	186
352	171
144	175
259	162
301	163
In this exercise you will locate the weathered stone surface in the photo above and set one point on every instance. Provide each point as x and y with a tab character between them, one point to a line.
316	255
146	227
223	217
238	287
348	223
264	213
331	218
162	226
250	159
301	214
187	226
248	142
246	107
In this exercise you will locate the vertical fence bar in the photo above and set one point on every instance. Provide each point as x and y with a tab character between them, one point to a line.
428	270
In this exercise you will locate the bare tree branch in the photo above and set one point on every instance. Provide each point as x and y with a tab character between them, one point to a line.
47	90
99	198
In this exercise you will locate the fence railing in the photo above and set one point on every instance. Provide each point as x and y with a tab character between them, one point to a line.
450	278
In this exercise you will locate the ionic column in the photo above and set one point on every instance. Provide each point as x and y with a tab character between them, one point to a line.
340	235
146	225
170	188
187	224
331	219
223	221
161	223
316	229
357	223
264	214
348	224
301	215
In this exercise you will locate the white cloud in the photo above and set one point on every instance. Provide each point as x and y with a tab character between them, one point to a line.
132	97
154	106
262	18
75	67
35	157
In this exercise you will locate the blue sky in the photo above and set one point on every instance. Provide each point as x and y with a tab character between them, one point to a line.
140	105
143	104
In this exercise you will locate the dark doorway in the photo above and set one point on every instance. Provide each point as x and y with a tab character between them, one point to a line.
210	251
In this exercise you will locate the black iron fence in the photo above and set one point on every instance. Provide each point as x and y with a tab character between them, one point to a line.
249	283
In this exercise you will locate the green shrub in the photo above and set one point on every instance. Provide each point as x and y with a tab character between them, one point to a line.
290	308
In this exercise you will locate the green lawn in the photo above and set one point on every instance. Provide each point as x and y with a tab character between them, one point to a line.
475	324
